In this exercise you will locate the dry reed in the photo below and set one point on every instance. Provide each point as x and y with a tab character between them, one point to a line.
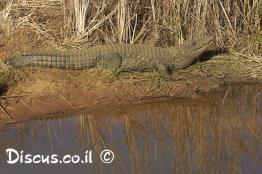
235	23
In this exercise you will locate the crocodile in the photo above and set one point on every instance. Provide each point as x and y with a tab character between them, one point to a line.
127	57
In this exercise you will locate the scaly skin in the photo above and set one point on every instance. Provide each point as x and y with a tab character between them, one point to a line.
127	57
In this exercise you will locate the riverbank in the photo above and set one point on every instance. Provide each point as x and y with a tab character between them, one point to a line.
62	25
37	92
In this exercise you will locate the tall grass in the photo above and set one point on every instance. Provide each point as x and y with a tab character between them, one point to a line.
236	24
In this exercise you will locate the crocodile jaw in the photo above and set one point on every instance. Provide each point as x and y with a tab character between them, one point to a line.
191	50
198	47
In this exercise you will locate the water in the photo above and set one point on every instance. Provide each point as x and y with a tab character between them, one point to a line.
217	133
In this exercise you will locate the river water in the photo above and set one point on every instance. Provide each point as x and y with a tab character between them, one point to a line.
215	133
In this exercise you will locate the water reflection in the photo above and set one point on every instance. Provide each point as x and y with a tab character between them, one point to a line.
218	133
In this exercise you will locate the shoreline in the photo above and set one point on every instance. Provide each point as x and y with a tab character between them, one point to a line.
45	91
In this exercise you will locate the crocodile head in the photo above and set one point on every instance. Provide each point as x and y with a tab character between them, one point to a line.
197	47
191	50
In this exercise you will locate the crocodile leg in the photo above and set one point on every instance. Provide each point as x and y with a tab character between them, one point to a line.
163	70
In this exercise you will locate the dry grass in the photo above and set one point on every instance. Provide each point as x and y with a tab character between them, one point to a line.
236	24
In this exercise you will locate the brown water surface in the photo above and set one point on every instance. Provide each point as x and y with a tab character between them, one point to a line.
218	133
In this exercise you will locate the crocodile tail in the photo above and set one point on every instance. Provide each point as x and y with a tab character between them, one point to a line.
59	60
